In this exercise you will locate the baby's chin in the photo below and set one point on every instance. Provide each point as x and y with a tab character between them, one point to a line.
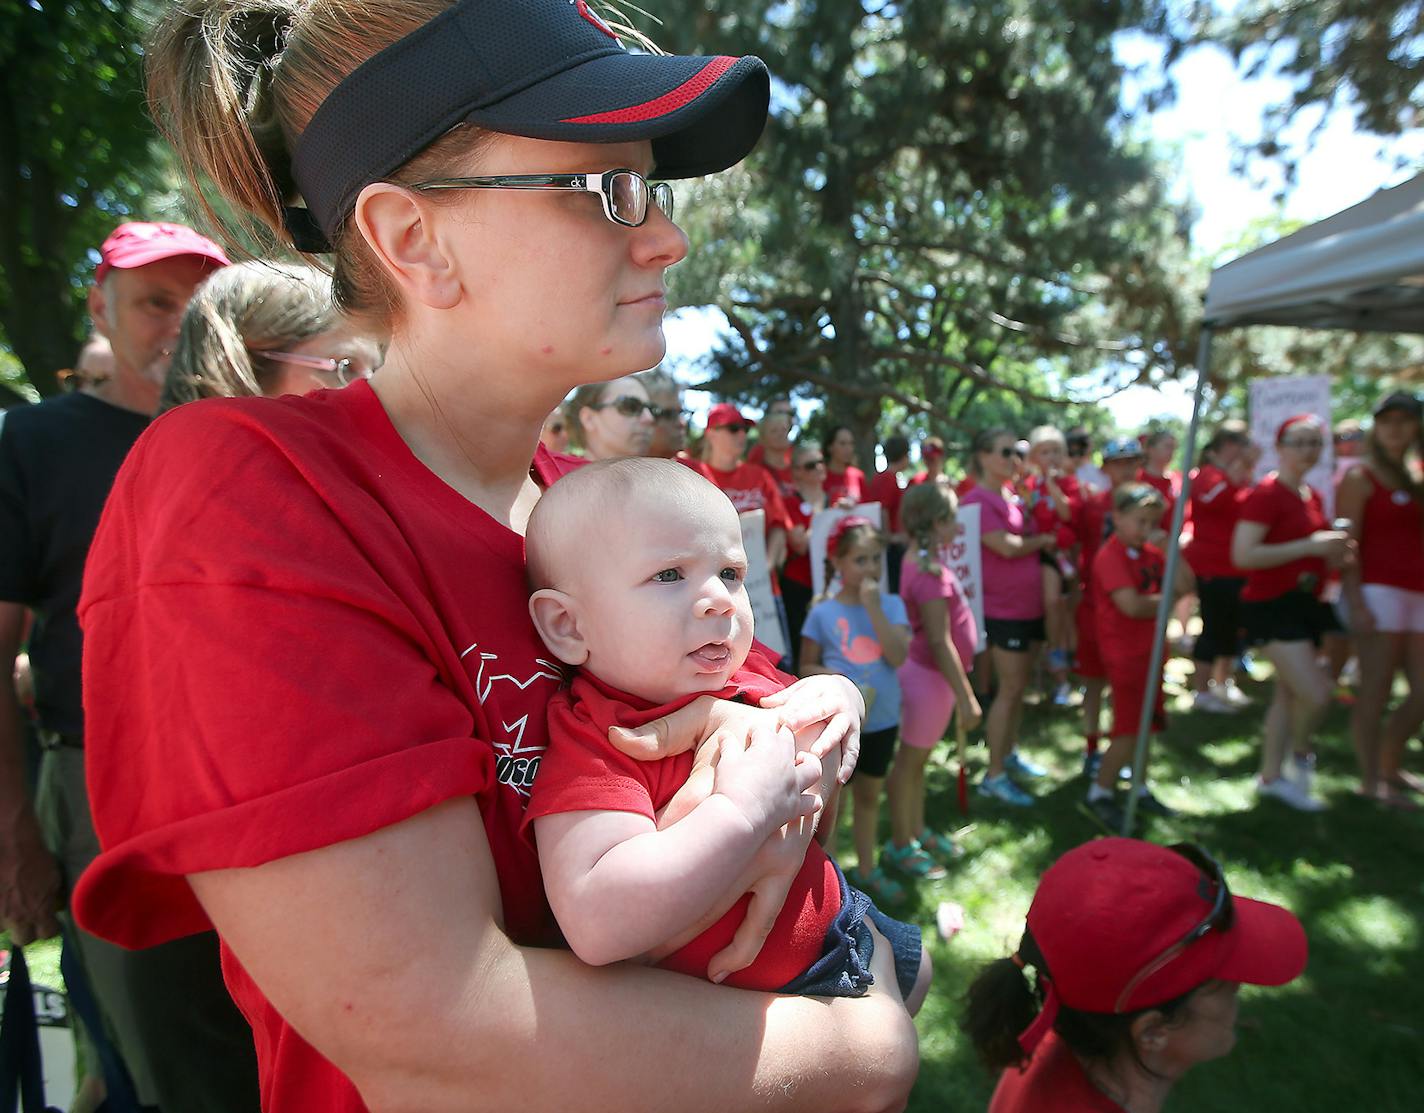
669	685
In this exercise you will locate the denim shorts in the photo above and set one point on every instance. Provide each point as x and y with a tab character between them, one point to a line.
843	970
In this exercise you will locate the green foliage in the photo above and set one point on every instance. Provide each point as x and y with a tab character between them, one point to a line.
77	156
1363	55
947	208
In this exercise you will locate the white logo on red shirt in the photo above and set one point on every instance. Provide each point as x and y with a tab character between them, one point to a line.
515	763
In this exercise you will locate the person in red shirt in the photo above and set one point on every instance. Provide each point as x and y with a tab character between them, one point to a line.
932	455
1159	447
845	483
1121	458
808	468
321	691
773	448
1217	488
1127	579
1287	549
888	489
749	486
1138	952
1382	497
1052	498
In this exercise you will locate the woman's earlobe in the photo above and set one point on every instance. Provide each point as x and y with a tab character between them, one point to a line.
397	226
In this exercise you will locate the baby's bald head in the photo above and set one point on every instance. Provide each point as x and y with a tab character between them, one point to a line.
589	512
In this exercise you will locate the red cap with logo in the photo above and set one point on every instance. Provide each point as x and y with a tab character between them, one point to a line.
724	413
1124	924
138	243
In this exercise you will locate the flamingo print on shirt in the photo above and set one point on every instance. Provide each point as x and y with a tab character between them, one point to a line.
859	650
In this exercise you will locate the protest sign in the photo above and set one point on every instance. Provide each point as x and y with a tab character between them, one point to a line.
765	613
822	522
1274	400
965	560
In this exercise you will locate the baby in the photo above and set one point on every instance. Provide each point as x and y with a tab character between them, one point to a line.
638	574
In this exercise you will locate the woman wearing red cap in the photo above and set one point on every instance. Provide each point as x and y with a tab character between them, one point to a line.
1382	496
323	702
1137	952
1283	542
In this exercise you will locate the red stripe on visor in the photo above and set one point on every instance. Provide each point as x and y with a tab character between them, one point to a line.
684	94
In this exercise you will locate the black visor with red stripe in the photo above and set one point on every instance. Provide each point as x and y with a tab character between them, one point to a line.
545	69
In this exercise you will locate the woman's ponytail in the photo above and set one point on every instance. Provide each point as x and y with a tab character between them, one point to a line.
1000	1004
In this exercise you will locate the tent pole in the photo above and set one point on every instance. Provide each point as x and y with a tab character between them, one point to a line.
1169	572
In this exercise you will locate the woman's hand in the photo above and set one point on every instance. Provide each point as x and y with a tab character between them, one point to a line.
1330	544
970	713
832	703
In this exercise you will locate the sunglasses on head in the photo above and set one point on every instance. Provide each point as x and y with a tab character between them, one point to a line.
626	193
628	406
1211	886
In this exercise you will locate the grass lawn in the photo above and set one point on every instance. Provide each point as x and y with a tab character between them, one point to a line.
1347	1035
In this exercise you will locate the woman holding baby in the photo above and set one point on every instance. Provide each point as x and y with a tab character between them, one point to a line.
317	699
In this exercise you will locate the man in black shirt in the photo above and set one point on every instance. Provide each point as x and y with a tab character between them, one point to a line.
57	463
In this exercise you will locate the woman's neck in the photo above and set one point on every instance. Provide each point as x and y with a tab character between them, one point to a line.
723	462
811	491
1290	477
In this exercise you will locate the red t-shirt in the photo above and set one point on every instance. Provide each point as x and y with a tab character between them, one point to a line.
1120	636
783	476
1092	526
1045	514
750	487
1288	517
1391	538
1215	508
798	565
885	489
845	484
582	772
1052	1082
297	635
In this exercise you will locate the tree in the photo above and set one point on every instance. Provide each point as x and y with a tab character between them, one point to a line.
77	156
947	207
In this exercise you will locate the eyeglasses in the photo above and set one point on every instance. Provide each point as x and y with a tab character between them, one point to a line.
1212	886
812	465
732	427
1010	453
625	193
628	406
347	371
664	413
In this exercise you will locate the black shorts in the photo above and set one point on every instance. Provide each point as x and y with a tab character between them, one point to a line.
1296	616
877	750
1221	618
1014	634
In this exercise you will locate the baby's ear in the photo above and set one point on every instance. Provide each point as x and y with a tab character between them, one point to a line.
555	616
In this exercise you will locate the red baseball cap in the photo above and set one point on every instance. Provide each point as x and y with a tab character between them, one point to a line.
138	243
1297	419
724	413
1121	925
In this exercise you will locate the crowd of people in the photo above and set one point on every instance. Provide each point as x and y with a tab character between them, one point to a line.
363	661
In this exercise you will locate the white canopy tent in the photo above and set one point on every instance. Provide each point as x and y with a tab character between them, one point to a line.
1361	269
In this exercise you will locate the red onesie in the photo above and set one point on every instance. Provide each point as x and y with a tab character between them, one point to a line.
582	772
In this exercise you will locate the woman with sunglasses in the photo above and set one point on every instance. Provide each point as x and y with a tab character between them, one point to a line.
609	420
1137	952
260	328
1288	550
1013	603
749	486
318	701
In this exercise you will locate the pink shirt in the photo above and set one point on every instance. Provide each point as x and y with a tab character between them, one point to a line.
918	586
1013	589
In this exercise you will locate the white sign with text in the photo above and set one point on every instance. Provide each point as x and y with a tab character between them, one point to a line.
965	559
765	613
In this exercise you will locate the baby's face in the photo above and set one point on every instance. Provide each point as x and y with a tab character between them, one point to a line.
662	600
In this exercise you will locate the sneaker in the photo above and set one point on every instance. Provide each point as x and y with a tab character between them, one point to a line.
1105	811
877	886
1017	763
1210	702
1063	695
1090	764
1148	804
1233	695
1002	789
912	861
941	848
1290	794
1299	769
